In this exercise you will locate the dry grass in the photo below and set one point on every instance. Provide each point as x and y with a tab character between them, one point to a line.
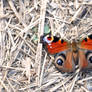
24	66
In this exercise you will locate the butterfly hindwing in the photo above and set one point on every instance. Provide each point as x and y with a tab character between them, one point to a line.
64	62
83	63
85	59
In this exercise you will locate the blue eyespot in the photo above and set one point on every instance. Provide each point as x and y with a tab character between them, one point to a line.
60	62
90	59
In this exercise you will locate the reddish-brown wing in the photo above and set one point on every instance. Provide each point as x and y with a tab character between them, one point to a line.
68	64
56	47
83	63
86	43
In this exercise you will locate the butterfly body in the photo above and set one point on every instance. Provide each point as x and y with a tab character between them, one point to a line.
71	53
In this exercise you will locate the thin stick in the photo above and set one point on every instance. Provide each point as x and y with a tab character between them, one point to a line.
40	32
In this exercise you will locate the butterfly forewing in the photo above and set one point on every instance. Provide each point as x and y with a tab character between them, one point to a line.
86	43
56	47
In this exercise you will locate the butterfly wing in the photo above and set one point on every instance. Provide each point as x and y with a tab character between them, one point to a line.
55	44
83	63
64	62
56	47
85	58
86	43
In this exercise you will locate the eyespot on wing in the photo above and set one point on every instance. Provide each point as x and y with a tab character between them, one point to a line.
64	62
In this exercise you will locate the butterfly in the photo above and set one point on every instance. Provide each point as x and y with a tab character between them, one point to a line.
68	54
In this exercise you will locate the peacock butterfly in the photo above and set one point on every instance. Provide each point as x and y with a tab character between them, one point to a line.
69	53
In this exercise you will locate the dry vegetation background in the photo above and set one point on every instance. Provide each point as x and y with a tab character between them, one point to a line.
24	65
